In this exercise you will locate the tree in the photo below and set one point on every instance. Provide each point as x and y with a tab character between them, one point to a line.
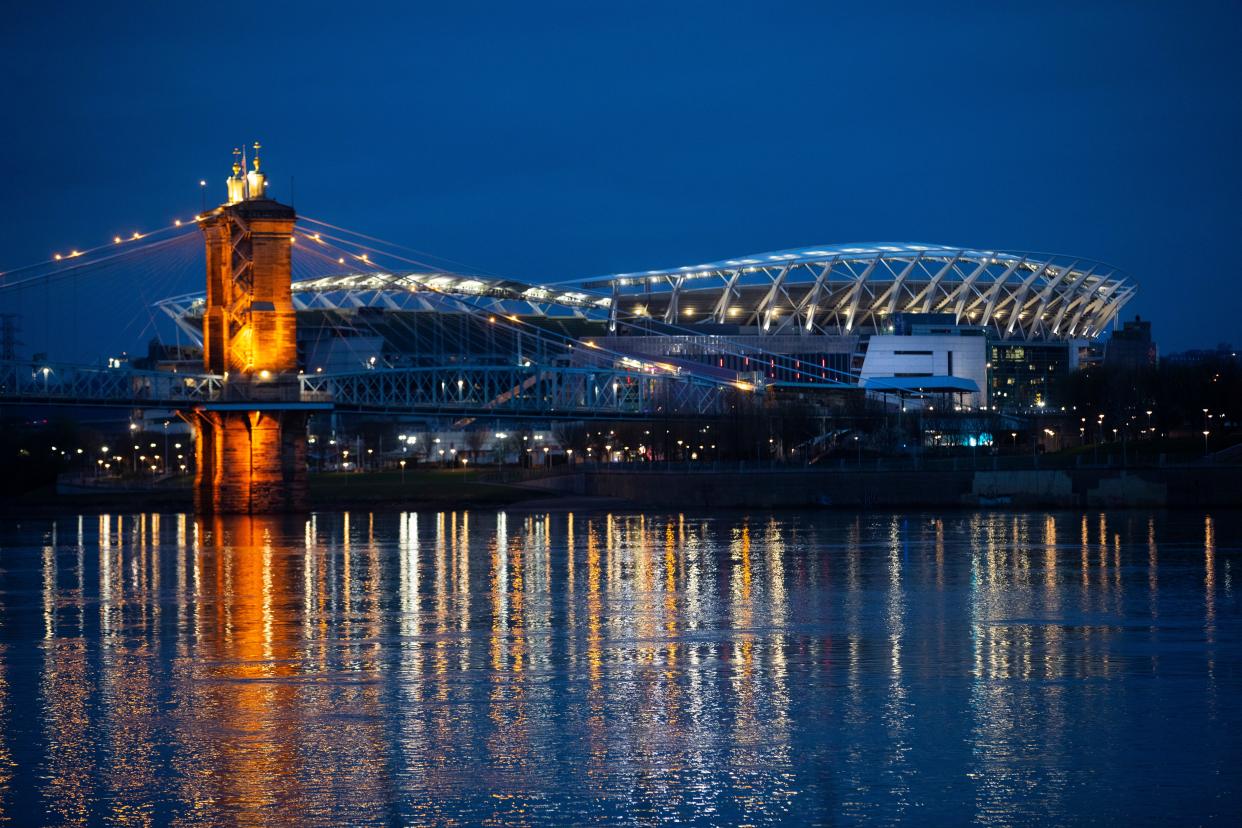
475	440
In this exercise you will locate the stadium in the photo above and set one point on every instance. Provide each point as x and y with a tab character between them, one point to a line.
902	320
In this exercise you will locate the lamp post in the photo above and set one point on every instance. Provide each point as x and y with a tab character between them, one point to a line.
402	471
1099	436
1205	441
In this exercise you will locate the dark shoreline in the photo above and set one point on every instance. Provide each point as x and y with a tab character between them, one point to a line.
1178	487
45	505
1152	487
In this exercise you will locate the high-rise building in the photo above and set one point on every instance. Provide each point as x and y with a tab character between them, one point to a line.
1131	346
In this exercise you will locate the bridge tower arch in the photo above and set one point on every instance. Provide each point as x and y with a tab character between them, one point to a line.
250	446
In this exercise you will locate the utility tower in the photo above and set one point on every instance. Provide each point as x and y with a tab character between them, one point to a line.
10	325
251	446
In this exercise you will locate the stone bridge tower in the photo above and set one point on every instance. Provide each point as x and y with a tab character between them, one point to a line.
251	445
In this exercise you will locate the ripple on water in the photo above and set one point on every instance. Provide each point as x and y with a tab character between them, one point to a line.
484	668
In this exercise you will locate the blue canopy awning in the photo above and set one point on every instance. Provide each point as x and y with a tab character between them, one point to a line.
922	385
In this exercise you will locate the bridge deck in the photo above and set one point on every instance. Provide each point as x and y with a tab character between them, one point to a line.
459	390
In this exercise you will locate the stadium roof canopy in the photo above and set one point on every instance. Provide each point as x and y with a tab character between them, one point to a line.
821	289
854	288
797	255
418	291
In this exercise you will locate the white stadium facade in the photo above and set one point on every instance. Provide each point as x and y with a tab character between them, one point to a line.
993	329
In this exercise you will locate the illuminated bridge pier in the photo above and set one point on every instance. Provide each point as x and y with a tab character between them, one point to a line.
250	459
250	448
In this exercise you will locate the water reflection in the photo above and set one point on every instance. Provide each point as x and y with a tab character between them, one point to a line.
357	668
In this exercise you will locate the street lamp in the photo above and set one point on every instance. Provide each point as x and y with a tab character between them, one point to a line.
1205	441
402	462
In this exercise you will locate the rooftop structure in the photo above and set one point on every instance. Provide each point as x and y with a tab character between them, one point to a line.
415	291
1132	346
857	288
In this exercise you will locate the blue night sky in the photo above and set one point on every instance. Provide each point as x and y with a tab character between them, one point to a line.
552	141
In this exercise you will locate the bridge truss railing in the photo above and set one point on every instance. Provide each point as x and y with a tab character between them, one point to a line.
558	391
93	385
501	390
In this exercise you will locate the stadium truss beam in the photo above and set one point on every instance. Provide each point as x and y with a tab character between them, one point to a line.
415	292
842	289
834	289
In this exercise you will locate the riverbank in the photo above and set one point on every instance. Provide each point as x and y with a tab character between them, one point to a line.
854	488
380	491
715	488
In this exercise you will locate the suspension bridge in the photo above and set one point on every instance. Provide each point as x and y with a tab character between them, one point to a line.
250	385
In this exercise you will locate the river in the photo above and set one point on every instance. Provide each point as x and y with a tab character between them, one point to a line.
487	667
